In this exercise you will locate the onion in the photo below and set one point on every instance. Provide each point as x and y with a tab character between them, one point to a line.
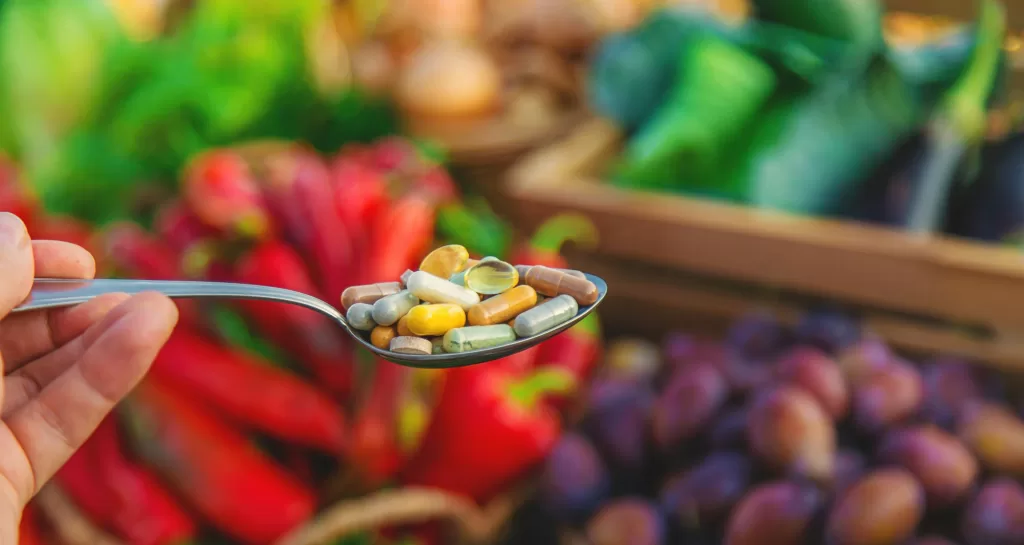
449	79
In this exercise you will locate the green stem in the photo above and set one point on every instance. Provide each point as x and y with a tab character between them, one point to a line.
528	392
965	103
550	236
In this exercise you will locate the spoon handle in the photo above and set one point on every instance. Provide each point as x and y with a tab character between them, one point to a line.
53	293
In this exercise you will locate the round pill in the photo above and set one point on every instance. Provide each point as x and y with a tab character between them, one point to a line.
504	307
445	261
369	294
390	309
411	345
403	327
492	277
360	316
552	282
438	290
464	339
432	320
438	343
545	316
381	336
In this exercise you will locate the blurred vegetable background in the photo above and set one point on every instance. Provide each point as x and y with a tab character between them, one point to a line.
315	145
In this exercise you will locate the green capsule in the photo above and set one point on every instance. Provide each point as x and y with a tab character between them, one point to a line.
464	339
491	277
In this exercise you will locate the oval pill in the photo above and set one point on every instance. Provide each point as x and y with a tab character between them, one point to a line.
438	290
405	277
491	277
360	316
438	343
411	345
504	307
552	282
381	336
390	309
433	320
402	327
445	261
545	316
464	339
369	294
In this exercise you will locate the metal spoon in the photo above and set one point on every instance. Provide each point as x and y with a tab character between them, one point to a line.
53	293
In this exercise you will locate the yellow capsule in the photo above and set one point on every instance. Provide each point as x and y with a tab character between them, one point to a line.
381	336
491	277
403	327
504	307
445	261
433	320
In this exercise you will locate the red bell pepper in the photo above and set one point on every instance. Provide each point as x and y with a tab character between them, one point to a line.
577	350
180	228
30	531
489	427
215	468
375	451
297	186
545	245
400	238
122	496
220	189
252	392
312	337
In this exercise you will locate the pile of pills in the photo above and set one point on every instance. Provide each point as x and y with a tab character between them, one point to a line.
455	304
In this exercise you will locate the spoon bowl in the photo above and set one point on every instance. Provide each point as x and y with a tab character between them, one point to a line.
56	293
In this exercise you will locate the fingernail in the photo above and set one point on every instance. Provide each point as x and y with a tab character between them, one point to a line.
12	231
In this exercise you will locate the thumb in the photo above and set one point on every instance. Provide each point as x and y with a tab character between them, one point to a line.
16	264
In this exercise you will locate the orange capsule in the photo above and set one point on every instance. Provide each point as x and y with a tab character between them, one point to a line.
553	282
381	336
504	307
403	327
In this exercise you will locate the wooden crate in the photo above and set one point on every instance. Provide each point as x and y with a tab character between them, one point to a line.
666	257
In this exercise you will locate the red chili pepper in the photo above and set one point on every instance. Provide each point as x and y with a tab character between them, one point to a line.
14	195
360	196
251	392
131	251
138	508
489	427
547	241
215	468
375	450
221	191
312	337
297	186
400	238
30	531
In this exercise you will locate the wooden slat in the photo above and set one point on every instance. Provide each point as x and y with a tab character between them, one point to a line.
940	277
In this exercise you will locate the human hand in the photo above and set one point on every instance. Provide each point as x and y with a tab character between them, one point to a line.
63	369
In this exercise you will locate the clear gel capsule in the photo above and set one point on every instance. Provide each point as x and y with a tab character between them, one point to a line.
390	309
445	261
491	277
438	290
360	316
464	339
546	315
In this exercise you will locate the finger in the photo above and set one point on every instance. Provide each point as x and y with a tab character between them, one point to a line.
70	333
16	267
67	410
26	337
56	259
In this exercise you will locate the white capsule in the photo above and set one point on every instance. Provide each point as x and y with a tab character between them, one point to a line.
360	316
438	290
546	315
390	309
